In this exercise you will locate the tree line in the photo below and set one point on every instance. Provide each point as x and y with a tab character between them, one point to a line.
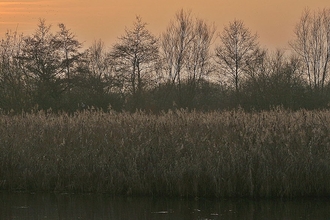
190	65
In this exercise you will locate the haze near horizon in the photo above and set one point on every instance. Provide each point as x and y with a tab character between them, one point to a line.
274	21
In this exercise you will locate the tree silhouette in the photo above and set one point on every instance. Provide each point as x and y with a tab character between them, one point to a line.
312	45
186	56
239	51
135	57
13	92
69	47
48	61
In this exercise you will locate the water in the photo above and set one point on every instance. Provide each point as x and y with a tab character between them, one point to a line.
90	206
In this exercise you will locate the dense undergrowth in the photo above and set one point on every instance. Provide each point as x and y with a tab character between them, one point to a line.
276	153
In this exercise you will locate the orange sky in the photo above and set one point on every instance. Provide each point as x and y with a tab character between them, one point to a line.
273	20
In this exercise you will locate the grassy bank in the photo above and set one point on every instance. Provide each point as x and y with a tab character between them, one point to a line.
268	154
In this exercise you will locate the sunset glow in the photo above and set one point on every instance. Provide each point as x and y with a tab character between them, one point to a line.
274	21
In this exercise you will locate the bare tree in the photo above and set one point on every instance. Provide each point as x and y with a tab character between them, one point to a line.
98	62
40	59
40	55
48	60
176	46
199	61
69	46
186	56
283	83
239	51
135	56
312	44
13	90
95	83
99	68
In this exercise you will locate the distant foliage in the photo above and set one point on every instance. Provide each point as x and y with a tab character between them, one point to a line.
189	66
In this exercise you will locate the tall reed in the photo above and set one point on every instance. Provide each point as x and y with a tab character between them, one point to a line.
216	154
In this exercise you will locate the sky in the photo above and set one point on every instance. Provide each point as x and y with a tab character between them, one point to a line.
90	20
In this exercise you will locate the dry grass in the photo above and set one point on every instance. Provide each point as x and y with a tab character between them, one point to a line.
218	154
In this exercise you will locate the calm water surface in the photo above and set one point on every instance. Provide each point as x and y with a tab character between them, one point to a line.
91	206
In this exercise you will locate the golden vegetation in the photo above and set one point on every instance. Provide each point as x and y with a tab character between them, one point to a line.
218	154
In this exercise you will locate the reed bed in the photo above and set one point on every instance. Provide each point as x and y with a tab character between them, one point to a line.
277	153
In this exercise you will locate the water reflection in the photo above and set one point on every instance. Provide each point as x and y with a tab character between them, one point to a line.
98	207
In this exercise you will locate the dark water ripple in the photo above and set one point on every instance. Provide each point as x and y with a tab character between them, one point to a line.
90	206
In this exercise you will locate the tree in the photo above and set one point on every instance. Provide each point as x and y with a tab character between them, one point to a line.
199	61
186	56
96	84
312	45
40	61
135	58
99	67
285	86
239	51
48	60
69	47
13	91
277	83
176	43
